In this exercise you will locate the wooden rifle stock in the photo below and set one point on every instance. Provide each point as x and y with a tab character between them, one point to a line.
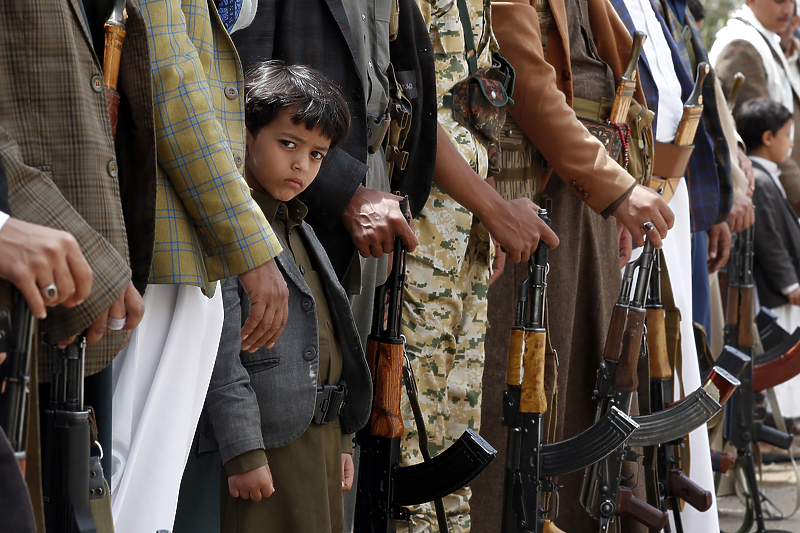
627	378
657	345
387	421
533	399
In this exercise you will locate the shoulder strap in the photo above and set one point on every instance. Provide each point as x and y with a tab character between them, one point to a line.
469	38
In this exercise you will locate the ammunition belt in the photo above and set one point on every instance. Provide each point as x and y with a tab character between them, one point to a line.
546	20
523	167
328	404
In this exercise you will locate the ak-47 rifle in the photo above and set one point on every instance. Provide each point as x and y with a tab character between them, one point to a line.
16	339
524	404
780	361
617	382
740	429
384	487
65	457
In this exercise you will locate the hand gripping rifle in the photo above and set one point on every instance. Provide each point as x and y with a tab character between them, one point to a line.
617	382
66	440
384	487
524	404
740	428
16	339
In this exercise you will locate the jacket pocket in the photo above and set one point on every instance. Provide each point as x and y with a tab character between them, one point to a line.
254	367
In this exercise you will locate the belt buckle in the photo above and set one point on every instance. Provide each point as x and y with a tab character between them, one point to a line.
324	409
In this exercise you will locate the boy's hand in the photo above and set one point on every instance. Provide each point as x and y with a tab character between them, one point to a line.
794	297
348	469
252	485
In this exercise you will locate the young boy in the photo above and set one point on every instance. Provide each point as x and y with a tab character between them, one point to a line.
283	415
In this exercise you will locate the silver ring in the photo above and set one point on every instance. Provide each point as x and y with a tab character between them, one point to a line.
50	292
116	324
648	226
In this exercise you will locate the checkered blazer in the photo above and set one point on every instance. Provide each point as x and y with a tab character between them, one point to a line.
207	225
701	174
58	153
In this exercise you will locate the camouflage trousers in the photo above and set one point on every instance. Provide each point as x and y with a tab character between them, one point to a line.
444	322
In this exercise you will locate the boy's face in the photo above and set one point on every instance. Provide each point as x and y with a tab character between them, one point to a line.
283	158
781	143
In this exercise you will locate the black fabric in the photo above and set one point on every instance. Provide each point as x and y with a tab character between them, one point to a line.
4	207
16	512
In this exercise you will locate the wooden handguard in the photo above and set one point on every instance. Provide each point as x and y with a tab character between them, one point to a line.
732	305
616	331
627	378
514	364
657	345
387	421
533	399
746	310
682	487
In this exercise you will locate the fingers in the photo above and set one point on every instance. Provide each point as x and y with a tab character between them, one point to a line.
30	291
96	329
134	307
406	233
713	242
498	265
348	470
2	357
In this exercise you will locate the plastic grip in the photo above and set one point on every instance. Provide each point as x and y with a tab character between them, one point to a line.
387	421
657	345
514	364
627	378
533	399
682	487
640	510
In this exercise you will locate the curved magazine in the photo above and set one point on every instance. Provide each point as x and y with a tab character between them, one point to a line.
676	421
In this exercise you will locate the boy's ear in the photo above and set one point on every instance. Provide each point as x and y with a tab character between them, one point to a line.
767	137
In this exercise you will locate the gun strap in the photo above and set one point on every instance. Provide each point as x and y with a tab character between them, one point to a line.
411	389
781	425
550	391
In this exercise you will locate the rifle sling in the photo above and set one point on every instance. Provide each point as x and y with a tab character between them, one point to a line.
411	389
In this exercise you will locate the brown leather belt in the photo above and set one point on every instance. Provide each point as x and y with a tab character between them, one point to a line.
669	166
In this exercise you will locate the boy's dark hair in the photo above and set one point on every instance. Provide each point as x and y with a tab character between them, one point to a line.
754	117
273	86
697	10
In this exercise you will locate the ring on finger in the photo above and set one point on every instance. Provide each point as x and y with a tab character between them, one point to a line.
116	324
648	226
50	291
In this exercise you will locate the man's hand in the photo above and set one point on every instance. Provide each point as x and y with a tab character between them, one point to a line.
269	306
348	471
373	219
252	485
645	205
794	296
34	257
518	228
742	214
625	244
719	246
128	307
499	262
747	167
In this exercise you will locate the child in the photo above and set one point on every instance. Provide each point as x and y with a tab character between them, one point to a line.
766	129
283	415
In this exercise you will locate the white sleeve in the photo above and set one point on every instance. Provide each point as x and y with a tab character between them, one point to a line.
3	218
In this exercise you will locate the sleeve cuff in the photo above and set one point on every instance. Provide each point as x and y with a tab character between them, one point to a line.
788	290
246	462
3	218
347	443
608	211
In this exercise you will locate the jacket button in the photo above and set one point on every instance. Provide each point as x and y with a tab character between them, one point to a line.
237	158
306	304
231	92
309	353
357	94
302	270
113	170
565	75
97	83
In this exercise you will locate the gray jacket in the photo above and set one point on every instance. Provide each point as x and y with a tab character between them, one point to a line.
266	399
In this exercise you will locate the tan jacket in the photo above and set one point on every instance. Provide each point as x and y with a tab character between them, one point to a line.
543	93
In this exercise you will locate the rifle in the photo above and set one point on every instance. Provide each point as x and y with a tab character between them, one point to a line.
384	487
16	339
529	463
780	361
66	445
740	428
617	382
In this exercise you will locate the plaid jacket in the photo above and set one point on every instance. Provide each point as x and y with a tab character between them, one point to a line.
701	175
693	49
207	225
59	156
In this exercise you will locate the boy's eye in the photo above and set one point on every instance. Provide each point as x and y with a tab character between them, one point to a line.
288	144
317	155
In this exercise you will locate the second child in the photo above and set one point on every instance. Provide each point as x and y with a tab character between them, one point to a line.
283	416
